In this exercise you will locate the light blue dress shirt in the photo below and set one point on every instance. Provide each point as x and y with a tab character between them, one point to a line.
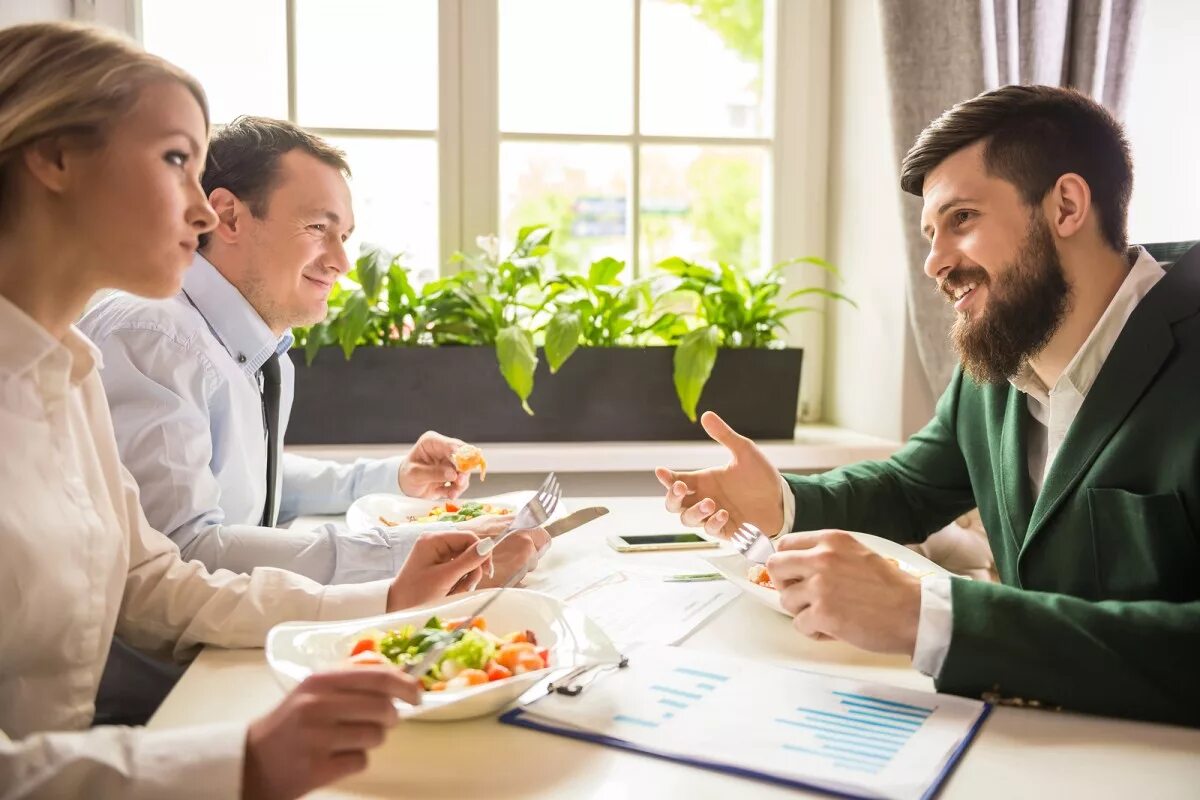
182	380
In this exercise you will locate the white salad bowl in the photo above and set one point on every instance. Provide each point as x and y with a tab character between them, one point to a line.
296	650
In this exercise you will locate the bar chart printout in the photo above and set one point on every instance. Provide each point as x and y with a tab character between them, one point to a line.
787	725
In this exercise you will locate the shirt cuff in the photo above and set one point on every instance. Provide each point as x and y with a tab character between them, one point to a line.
194	761
381	476
935	626
789	506
352	600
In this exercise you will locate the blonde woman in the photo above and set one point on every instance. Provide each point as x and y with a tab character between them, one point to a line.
100	151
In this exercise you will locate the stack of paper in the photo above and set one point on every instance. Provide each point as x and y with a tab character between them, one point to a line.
616	597
799	728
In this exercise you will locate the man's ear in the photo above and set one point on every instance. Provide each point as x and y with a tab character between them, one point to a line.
1069	205
231	215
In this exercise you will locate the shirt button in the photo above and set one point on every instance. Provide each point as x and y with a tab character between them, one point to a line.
241	358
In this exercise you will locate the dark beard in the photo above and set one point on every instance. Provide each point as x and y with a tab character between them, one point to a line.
1024	309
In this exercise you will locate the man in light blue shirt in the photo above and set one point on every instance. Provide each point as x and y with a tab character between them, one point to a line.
184	377
200	387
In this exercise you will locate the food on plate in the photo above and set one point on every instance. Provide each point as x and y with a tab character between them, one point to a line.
451	511
468	457
475	656
757	574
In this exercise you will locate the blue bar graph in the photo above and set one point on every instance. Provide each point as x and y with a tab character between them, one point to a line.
886	703
644	723
677	692
862	736
700	683
695	673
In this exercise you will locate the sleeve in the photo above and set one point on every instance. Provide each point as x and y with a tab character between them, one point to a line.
934	626
158	395
171	606
904	498
328	554
315	486
1118	658
115	762
789	507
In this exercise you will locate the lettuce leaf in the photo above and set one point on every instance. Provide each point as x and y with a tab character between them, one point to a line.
472	651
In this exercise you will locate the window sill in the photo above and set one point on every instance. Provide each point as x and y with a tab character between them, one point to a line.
815	448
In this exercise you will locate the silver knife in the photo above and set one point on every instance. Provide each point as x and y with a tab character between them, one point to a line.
572	521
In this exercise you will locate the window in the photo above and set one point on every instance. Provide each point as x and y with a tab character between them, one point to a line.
1160	119
361	73
640	129
637	128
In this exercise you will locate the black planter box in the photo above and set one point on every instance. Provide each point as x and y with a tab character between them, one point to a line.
393	395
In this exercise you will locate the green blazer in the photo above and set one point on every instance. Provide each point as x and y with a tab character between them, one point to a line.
1099	606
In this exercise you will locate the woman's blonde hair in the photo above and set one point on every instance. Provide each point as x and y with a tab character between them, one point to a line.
64	77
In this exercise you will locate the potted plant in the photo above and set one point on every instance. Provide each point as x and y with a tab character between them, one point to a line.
589	357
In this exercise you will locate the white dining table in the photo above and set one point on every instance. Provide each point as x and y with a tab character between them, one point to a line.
1019	752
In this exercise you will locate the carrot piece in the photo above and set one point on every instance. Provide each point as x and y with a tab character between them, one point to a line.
510	653
363	645
528	662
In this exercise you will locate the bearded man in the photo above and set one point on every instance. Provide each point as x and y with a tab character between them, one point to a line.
1072	424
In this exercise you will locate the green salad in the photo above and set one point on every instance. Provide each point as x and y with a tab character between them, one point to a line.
472	657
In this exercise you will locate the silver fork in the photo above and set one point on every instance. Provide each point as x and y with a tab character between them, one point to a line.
534	513
754	545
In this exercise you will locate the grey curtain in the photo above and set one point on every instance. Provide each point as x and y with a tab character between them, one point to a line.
940	52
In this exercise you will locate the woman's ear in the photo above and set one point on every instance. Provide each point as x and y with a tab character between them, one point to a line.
46	159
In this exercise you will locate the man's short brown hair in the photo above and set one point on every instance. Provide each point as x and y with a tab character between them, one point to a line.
1033	135
243	157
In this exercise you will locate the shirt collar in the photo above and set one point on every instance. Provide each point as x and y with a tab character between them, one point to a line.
24	344
235	323
1081	372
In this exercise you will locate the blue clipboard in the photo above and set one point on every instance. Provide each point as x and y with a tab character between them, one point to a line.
521	718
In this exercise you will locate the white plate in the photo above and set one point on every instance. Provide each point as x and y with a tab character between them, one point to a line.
366	511
734	568
295	650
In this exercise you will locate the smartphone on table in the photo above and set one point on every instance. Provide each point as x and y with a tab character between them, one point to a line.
686	540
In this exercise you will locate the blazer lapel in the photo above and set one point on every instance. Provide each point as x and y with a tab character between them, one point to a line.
1127	373
1012	470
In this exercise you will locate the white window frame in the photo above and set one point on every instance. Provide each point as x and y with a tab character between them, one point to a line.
469	137
798	152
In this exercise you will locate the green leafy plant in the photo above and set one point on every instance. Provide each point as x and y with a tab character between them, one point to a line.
516	305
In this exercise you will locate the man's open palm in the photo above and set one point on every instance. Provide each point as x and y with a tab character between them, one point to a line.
747	489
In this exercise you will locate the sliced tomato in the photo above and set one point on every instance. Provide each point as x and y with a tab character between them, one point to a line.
544	654
362	645
451	508
497	672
